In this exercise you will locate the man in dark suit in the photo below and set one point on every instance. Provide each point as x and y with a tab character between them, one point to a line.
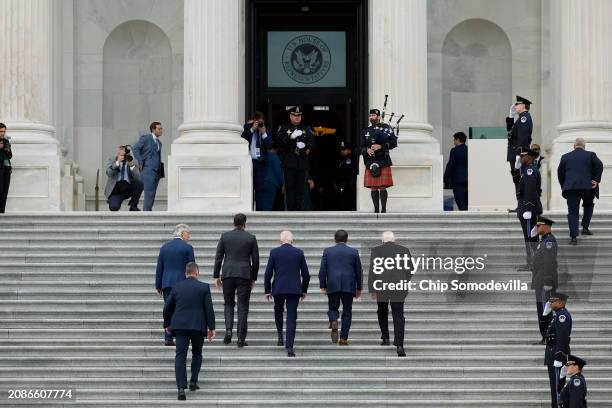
6	154
238	253
456	173
148	152
123	181
579	174
286	264
256	133
380	275
340	278
173	256
189	314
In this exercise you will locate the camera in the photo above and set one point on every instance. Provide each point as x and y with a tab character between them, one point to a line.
260	124
128	153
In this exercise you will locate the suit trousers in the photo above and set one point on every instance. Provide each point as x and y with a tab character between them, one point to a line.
236	288
333	300
122	191
150	181
166	293
397	311
5	181
295	179
292	301
266	196
530	243
183	337
573	198
460	192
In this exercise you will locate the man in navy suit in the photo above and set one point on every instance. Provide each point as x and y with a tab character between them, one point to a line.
256	133
173	256
286	264
456	173
579	174
147	152
190	315
340	278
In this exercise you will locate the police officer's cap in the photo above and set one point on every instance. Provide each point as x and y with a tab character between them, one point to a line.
571	360
345	145
295	110
530	152
520	99
557	296
374	112
544	221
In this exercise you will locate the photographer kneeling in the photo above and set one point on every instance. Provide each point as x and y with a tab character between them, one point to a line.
123	180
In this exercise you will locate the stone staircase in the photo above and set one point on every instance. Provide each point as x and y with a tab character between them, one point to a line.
78	310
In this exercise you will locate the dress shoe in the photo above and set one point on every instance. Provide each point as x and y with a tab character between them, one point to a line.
400	351
385	342
573	241
227	339
170	343
193	386
586	231
280	341
343	342
290	352
334	332
242	343
181	394
540	343
134	209
524	268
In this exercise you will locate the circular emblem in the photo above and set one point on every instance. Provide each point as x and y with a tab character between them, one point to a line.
306	59
562	318
549	245
348	161
529	172
577	382
524	119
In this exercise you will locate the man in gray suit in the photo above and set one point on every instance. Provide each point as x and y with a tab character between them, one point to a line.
237	251
148	152
123	181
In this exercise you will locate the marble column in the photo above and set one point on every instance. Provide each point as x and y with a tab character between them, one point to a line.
585	55
398	67
209	165
26	75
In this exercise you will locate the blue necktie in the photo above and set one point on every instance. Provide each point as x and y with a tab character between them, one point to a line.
122	175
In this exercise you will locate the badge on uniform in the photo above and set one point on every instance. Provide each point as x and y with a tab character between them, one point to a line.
529	172
577	382
524	119
348	161
562	319
549	245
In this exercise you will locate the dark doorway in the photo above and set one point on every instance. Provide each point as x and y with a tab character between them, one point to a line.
313	54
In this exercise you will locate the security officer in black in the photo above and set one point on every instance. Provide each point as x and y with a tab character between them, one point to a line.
295	142
519	134
544	278
557	344
529	205
346	178
573	395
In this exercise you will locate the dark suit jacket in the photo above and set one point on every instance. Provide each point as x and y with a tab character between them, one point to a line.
173	257
286	264
112	172
341	269
146	152
237	251
190	307
576	170
263	144
456	172
390	250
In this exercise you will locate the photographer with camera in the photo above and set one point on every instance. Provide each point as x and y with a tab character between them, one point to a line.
256	133
5	166
123	180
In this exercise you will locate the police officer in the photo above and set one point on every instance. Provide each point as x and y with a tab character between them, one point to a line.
544	278
529	205
295	142
557	343
346	178
520	127
377	140
573	395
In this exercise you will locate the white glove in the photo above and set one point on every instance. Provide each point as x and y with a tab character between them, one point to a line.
517	162
527	215
300	145
296	133
547	309
534	232
563	372
558	364
512	111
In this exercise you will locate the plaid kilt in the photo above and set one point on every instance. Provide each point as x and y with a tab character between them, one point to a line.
384	180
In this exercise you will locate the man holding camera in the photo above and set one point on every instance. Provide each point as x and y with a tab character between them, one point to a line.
123	180
256	134
295	142
6	155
